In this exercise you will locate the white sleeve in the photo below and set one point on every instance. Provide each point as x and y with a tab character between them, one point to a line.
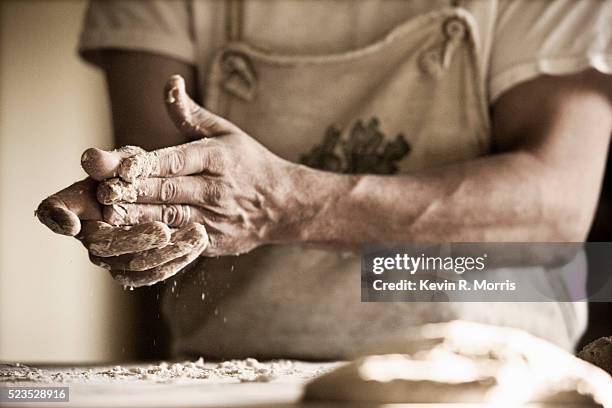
554	37
162	27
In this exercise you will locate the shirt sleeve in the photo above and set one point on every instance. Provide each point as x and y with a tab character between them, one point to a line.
162	27
553	37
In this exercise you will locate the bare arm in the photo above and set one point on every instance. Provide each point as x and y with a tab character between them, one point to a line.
551	136
540	184
135	84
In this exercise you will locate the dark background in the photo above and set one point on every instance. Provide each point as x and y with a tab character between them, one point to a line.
600	314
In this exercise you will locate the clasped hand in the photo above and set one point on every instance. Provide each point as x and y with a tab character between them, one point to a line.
147	215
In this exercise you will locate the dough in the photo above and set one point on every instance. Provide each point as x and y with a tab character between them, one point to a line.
139	166
116	190
599	352
464	362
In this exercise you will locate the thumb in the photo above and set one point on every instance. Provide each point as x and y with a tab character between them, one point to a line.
62	212
190	118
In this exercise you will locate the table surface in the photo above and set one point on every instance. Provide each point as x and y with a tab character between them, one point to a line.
101	388
97	385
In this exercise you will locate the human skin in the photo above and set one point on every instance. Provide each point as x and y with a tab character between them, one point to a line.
540	184
74	211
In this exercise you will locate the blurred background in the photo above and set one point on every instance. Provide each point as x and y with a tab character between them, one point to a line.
54	305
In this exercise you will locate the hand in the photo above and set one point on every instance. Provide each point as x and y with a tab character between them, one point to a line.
140	255
225	180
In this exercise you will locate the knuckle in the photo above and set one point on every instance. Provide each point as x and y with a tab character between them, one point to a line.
192	116
175	215
215	160
215	192
200	231
214	245
206	119
219	245
175	162
168	190
169	214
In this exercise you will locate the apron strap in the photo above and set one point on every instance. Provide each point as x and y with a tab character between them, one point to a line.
233	26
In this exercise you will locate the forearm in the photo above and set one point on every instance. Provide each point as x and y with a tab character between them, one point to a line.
552	134
506	197
135	83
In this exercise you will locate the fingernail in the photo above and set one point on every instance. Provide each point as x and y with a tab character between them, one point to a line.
178	81
99	164
170	96
59	220
175	86
87	154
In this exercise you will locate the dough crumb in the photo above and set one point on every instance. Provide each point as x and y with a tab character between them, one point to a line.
116	190
599	353
138	166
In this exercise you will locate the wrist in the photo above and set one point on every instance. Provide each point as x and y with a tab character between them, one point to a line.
311	200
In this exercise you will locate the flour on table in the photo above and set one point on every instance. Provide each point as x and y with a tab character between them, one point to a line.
248	370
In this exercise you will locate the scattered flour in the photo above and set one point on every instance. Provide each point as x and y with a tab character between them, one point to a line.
248	370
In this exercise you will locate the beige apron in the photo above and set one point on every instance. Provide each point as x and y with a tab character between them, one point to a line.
413	100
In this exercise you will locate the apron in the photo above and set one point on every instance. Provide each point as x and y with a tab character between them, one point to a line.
413	100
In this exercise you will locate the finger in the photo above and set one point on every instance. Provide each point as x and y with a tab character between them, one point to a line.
117	191
195	122
173	215
62	212
190	118
183	242
102	239
190	158
159	273
175	190
102	164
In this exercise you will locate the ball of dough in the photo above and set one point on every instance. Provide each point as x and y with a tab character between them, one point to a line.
464	362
